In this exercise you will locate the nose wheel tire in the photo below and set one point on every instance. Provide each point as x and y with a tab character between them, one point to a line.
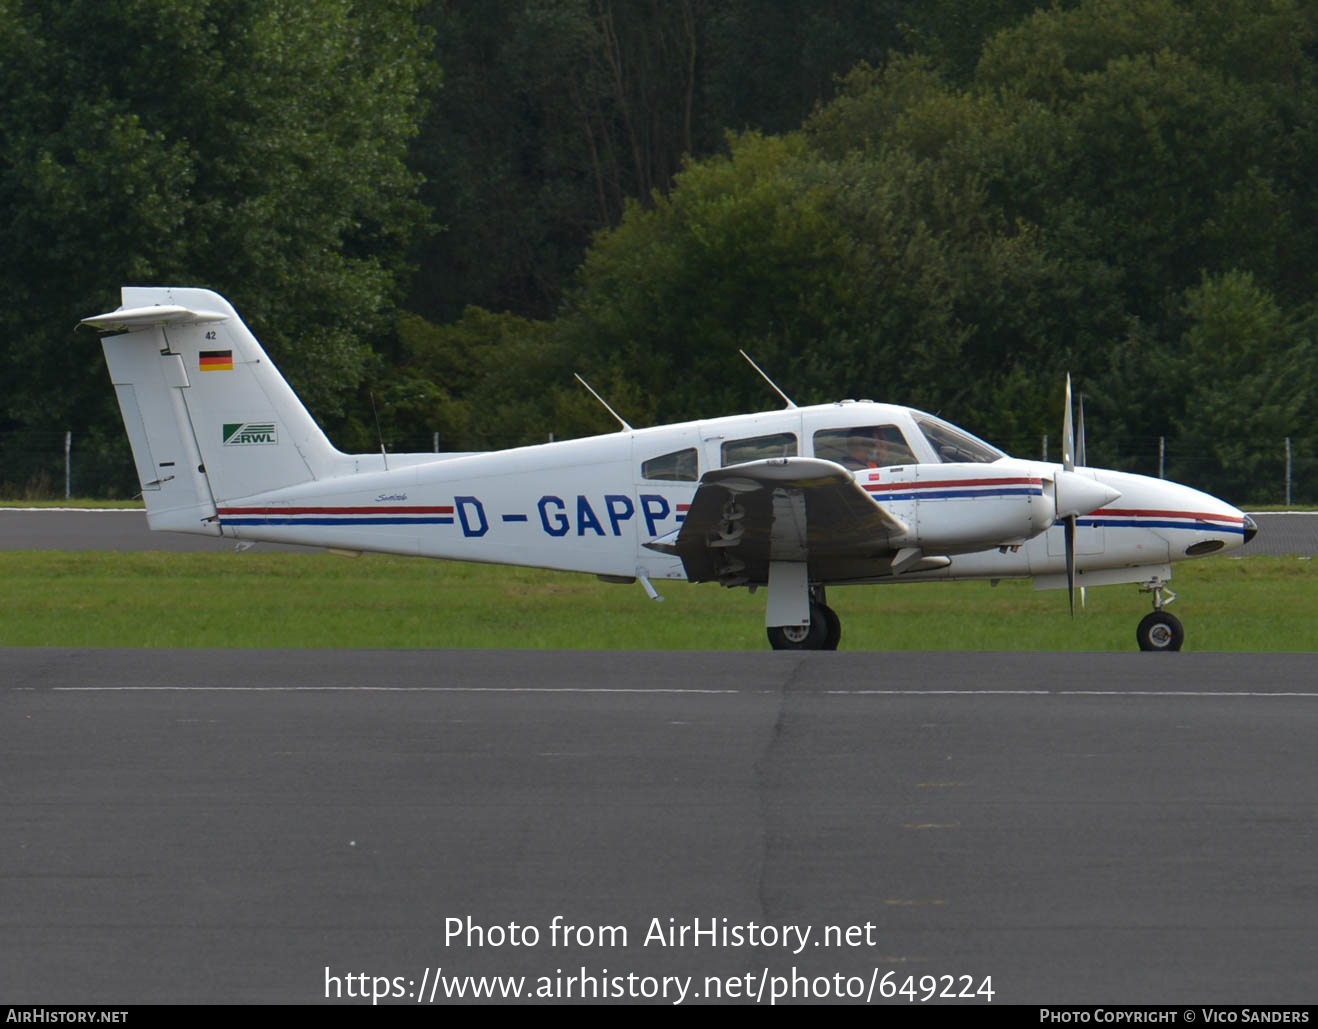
1160	631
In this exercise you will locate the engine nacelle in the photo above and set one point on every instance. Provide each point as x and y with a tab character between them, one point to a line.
960	507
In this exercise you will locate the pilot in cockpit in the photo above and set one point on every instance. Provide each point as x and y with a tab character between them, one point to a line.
864	450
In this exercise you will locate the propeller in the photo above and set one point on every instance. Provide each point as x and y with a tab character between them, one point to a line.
1070	520
1075	493
1082	462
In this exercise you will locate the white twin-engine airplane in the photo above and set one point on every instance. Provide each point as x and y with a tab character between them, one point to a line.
794	500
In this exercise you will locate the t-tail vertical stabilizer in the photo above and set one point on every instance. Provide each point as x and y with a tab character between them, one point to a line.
209	417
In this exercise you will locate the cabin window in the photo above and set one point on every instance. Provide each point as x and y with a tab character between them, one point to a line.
757	448
679	466
864	446
952	445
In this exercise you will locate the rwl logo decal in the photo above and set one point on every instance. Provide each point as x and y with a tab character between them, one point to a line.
243	434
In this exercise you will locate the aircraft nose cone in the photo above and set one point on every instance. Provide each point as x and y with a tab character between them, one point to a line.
1251	528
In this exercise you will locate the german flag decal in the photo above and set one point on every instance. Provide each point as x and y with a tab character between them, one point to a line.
216	361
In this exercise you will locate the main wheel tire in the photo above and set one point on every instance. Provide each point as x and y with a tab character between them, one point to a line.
834	623
803	637
1160	631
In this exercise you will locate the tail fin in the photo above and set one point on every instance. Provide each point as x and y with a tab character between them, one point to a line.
209	417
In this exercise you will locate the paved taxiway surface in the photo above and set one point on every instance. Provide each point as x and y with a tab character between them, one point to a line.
225	826
115	529
47	529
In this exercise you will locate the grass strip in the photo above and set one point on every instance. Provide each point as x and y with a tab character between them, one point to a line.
254	599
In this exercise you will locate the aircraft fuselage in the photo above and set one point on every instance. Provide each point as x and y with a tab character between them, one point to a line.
591	504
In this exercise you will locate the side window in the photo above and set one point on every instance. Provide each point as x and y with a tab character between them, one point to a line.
757	448
953	445
864	446
679	466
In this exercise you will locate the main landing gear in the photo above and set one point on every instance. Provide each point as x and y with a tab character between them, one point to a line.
1159	630
823	633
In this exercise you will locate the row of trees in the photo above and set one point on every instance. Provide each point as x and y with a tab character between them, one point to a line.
1121	189
941	204
256	147
555	113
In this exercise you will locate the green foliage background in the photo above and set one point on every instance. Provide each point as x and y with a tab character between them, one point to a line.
448	206
259	148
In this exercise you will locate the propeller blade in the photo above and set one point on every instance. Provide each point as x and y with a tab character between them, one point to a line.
1080	458
1068	432
1073	453
1068	532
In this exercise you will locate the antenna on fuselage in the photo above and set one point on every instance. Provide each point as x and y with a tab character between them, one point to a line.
384	454
621	421
773	385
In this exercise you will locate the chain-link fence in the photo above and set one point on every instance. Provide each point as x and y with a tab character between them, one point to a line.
48	465
43	465
1244	472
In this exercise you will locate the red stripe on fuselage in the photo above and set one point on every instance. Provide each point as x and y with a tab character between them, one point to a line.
333	510
1199	516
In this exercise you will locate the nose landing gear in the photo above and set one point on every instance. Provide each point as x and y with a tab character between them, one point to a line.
1159	630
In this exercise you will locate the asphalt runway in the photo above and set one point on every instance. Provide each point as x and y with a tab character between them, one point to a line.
246	827
270	826
1280	533
110	529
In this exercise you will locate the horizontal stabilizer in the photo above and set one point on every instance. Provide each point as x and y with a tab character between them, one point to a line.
134	318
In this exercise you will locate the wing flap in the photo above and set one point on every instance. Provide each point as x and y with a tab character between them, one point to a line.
779	509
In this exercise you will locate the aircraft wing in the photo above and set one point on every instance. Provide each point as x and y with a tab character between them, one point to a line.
780	509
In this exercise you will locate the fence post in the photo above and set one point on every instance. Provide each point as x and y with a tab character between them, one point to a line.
1288	471
68	469
436	443
1162	457
1045	447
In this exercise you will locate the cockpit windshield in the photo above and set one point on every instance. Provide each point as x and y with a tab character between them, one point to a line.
953	445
